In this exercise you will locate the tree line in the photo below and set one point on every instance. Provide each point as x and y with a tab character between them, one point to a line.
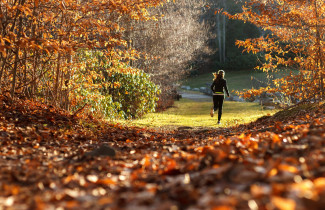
72	53
47	47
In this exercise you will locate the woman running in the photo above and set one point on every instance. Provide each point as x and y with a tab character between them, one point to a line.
218	86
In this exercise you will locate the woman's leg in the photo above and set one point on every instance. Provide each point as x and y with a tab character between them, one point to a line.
220	104
215	103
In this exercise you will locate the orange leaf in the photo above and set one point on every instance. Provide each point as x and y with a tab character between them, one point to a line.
291	169
106	181
276	138
283	203
223	207
146	161
320	183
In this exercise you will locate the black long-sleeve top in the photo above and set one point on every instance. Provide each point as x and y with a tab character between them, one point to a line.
218	87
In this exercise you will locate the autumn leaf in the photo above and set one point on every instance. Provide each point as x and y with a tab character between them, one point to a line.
283	203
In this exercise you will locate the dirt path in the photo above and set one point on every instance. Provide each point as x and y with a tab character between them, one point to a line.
196	96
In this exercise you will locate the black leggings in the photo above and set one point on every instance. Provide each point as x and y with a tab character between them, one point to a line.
217	104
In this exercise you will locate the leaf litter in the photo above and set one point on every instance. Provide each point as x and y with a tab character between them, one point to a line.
51	159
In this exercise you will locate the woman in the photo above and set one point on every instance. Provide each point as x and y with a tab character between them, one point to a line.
218	86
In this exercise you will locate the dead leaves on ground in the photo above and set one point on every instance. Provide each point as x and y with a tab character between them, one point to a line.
45	164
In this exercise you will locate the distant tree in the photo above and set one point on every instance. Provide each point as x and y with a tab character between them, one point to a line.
172	43
226	32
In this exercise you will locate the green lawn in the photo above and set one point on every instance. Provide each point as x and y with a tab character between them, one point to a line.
195	113
191	113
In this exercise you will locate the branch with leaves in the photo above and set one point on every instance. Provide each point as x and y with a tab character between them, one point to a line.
40	40
294	33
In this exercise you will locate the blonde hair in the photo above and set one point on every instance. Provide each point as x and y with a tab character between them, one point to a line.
216	75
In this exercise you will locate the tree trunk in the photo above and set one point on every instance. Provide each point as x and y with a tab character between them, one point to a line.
57	76
34	74
219	38
224	33
319	61
4	61
14	72
32	88
67	78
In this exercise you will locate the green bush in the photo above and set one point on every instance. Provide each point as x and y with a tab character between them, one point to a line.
135	93
109	91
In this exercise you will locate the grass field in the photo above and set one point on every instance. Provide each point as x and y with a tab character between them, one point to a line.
187	112
195	113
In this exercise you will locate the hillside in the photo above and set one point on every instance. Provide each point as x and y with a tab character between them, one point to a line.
52	159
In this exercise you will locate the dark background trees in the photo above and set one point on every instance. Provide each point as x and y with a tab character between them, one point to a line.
226	31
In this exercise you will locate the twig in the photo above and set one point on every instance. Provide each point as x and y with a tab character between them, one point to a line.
79	110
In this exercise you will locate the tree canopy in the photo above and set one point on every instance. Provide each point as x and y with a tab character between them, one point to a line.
294	36
40	41
47	47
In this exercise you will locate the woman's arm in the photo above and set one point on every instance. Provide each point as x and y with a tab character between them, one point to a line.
226	88
212	86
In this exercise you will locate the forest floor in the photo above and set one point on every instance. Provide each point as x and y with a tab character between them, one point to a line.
51	159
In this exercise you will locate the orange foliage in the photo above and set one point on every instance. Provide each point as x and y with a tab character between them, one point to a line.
294	37
39	40
273	163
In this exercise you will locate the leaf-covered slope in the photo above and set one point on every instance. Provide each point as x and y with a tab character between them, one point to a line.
50	159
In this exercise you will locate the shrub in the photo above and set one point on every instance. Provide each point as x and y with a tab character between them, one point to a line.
112	90
135	93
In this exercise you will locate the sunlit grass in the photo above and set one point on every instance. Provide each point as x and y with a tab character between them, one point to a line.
191	113
196	113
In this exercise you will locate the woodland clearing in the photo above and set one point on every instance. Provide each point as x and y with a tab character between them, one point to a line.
50	159
193	111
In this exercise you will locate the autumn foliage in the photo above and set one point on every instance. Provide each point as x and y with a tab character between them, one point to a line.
293	37
52	159
40	41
